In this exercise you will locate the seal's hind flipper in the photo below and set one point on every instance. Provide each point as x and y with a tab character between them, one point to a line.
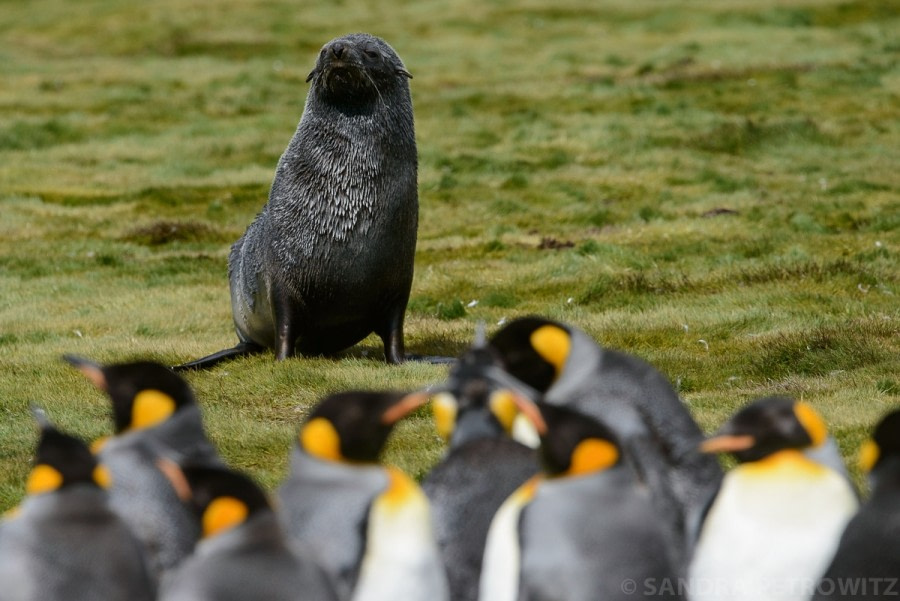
242	348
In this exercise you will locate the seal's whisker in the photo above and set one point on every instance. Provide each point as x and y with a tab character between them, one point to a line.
375	85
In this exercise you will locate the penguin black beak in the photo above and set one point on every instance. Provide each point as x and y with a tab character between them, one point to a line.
92	370
727	443
531	411
405	406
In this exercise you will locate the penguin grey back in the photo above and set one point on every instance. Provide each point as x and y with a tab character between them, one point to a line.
250	562
145	500
465	490
656	427
324	508
589	538
69	546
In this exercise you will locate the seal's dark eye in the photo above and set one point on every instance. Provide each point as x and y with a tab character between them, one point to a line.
371	53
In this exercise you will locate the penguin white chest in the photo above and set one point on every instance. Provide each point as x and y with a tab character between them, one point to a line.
401	560
502	554
771	532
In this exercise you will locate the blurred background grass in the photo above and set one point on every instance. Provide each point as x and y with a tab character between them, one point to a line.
711	186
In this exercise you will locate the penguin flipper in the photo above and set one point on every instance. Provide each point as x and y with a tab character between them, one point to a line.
239	350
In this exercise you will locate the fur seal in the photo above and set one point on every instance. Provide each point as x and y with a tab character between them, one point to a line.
329	259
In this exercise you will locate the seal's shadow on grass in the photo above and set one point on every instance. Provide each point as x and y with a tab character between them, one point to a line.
429	349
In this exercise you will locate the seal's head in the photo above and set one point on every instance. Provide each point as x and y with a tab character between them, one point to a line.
357	68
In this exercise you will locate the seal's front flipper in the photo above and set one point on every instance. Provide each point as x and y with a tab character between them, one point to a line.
242	348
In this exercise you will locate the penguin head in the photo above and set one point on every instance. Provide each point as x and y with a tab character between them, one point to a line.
767	426
221	498
474	403
354	426
143	393
572	444
883	445
62	460
534	350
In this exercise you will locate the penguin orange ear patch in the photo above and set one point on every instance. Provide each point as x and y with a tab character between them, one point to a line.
43	478
553	344
319	438
149	408
592	455
444	407
102	477
223	513
868	455
503	406
812	422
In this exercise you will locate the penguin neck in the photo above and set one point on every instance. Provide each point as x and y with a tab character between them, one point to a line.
884	480
341	460
579	370
76	499
261	529
787	460
474	425
183	432
305	462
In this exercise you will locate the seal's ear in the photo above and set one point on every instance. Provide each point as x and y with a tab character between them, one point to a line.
401	71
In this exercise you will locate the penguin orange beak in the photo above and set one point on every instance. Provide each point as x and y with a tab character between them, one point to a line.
175	476
404	407
531	411
727	443
93	371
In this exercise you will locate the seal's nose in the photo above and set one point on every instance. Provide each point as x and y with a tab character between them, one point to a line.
337	49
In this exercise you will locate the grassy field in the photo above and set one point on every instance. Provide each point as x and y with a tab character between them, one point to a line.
711	186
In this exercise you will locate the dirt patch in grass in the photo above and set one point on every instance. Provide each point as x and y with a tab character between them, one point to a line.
167	232
550	243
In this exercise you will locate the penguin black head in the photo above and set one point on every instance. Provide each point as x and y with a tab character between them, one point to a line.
767	426
473	404
534	350
143	393
572	444
885	443
221	498
62	460
354	426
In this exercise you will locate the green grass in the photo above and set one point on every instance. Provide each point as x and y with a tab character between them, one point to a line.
713	187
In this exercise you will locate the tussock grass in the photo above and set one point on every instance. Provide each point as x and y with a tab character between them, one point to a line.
711	187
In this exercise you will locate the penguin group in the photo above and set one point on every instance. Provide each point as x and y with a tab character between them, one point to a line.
573	472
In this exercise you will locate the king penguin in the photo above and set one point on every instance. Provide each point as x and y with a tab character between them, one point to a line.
774	525
866	565
242	553
369	525
64	543
584	530
483	465
658	435
155	415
